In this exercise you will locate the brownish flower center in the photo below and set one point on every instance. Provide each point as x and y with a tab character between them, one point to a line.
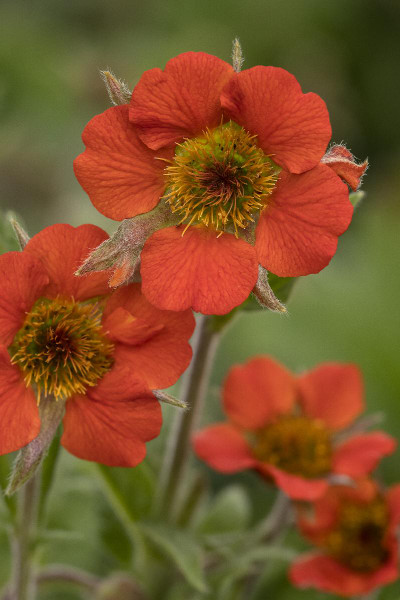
61	347
358	539
295	444
220	180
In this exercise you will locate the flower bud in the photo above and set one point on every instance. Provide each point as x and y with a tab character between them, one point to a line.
121	252
117	89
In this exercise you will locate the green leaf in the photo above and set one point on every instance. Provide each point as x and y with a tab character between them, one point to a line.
230	512
281	286
135	487
183	549
115	538
356	197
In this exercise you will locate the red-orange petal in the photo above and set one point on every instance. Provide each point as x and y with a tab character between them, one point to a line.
121	176
23	280
323	573
223	448
181	101
122	326
198	270
62	249
360	454
297	233
291	126
163	357
19	415
111	433
122	382
297	488
332	392
257	392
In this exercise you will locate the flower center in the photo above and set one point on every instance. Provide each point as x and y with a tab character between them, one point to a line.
297	445
220	179
61	347
358	539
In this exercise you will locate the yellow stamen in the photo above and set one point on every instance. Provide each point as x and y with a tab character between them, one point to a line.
61	347
358	539
220	179
298	445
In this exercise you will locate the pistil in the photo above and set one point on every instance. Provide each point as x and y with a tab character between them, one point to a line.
221	180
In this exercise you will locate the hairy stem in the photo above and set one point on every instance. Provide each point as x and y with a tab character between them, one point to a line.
194	389
23	542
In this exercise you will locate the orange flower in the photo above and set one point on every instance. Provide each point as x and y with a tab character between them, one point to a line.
356	529
286	427
232	153
71	340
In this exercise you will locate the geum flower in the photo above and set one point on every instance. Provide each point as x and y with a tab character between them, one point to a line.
287	428
70	340
355	529
237	161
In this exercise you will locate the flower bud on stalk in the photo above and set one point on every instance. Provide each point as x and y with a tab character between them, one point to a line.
121	252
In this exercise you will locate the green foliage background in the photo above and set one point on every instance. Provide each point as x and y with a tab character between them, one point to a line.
347	51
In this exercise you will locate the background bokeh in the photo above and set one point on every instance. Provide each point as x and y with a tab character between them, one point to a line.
347	51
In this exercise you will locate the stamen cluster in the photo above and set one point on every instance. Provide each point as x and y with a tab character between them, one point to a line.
61	347
297	445
220	179
358	539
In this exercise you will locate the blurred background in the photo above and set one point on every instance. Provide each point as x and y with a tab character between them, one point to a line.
347	51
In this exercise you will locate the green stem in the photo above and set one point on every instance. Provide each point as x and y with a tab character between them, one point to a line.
23	542
194	389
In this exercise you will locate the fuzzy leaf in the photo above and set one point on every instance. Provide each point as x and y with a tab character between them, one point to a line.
230	512
182	548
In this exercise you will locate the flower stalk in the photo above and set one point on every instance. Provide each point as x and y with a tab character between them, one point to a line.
23	584
194	389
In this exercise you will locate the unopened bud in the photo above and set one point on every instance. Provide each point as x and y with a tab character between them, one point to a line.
237	56
264	294
29	458
117	89
19	232
119	587
345	166
162	396
120	254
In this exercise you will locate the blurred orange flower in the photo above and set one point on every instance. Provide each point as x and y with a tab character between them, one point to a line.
356	529
286	427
